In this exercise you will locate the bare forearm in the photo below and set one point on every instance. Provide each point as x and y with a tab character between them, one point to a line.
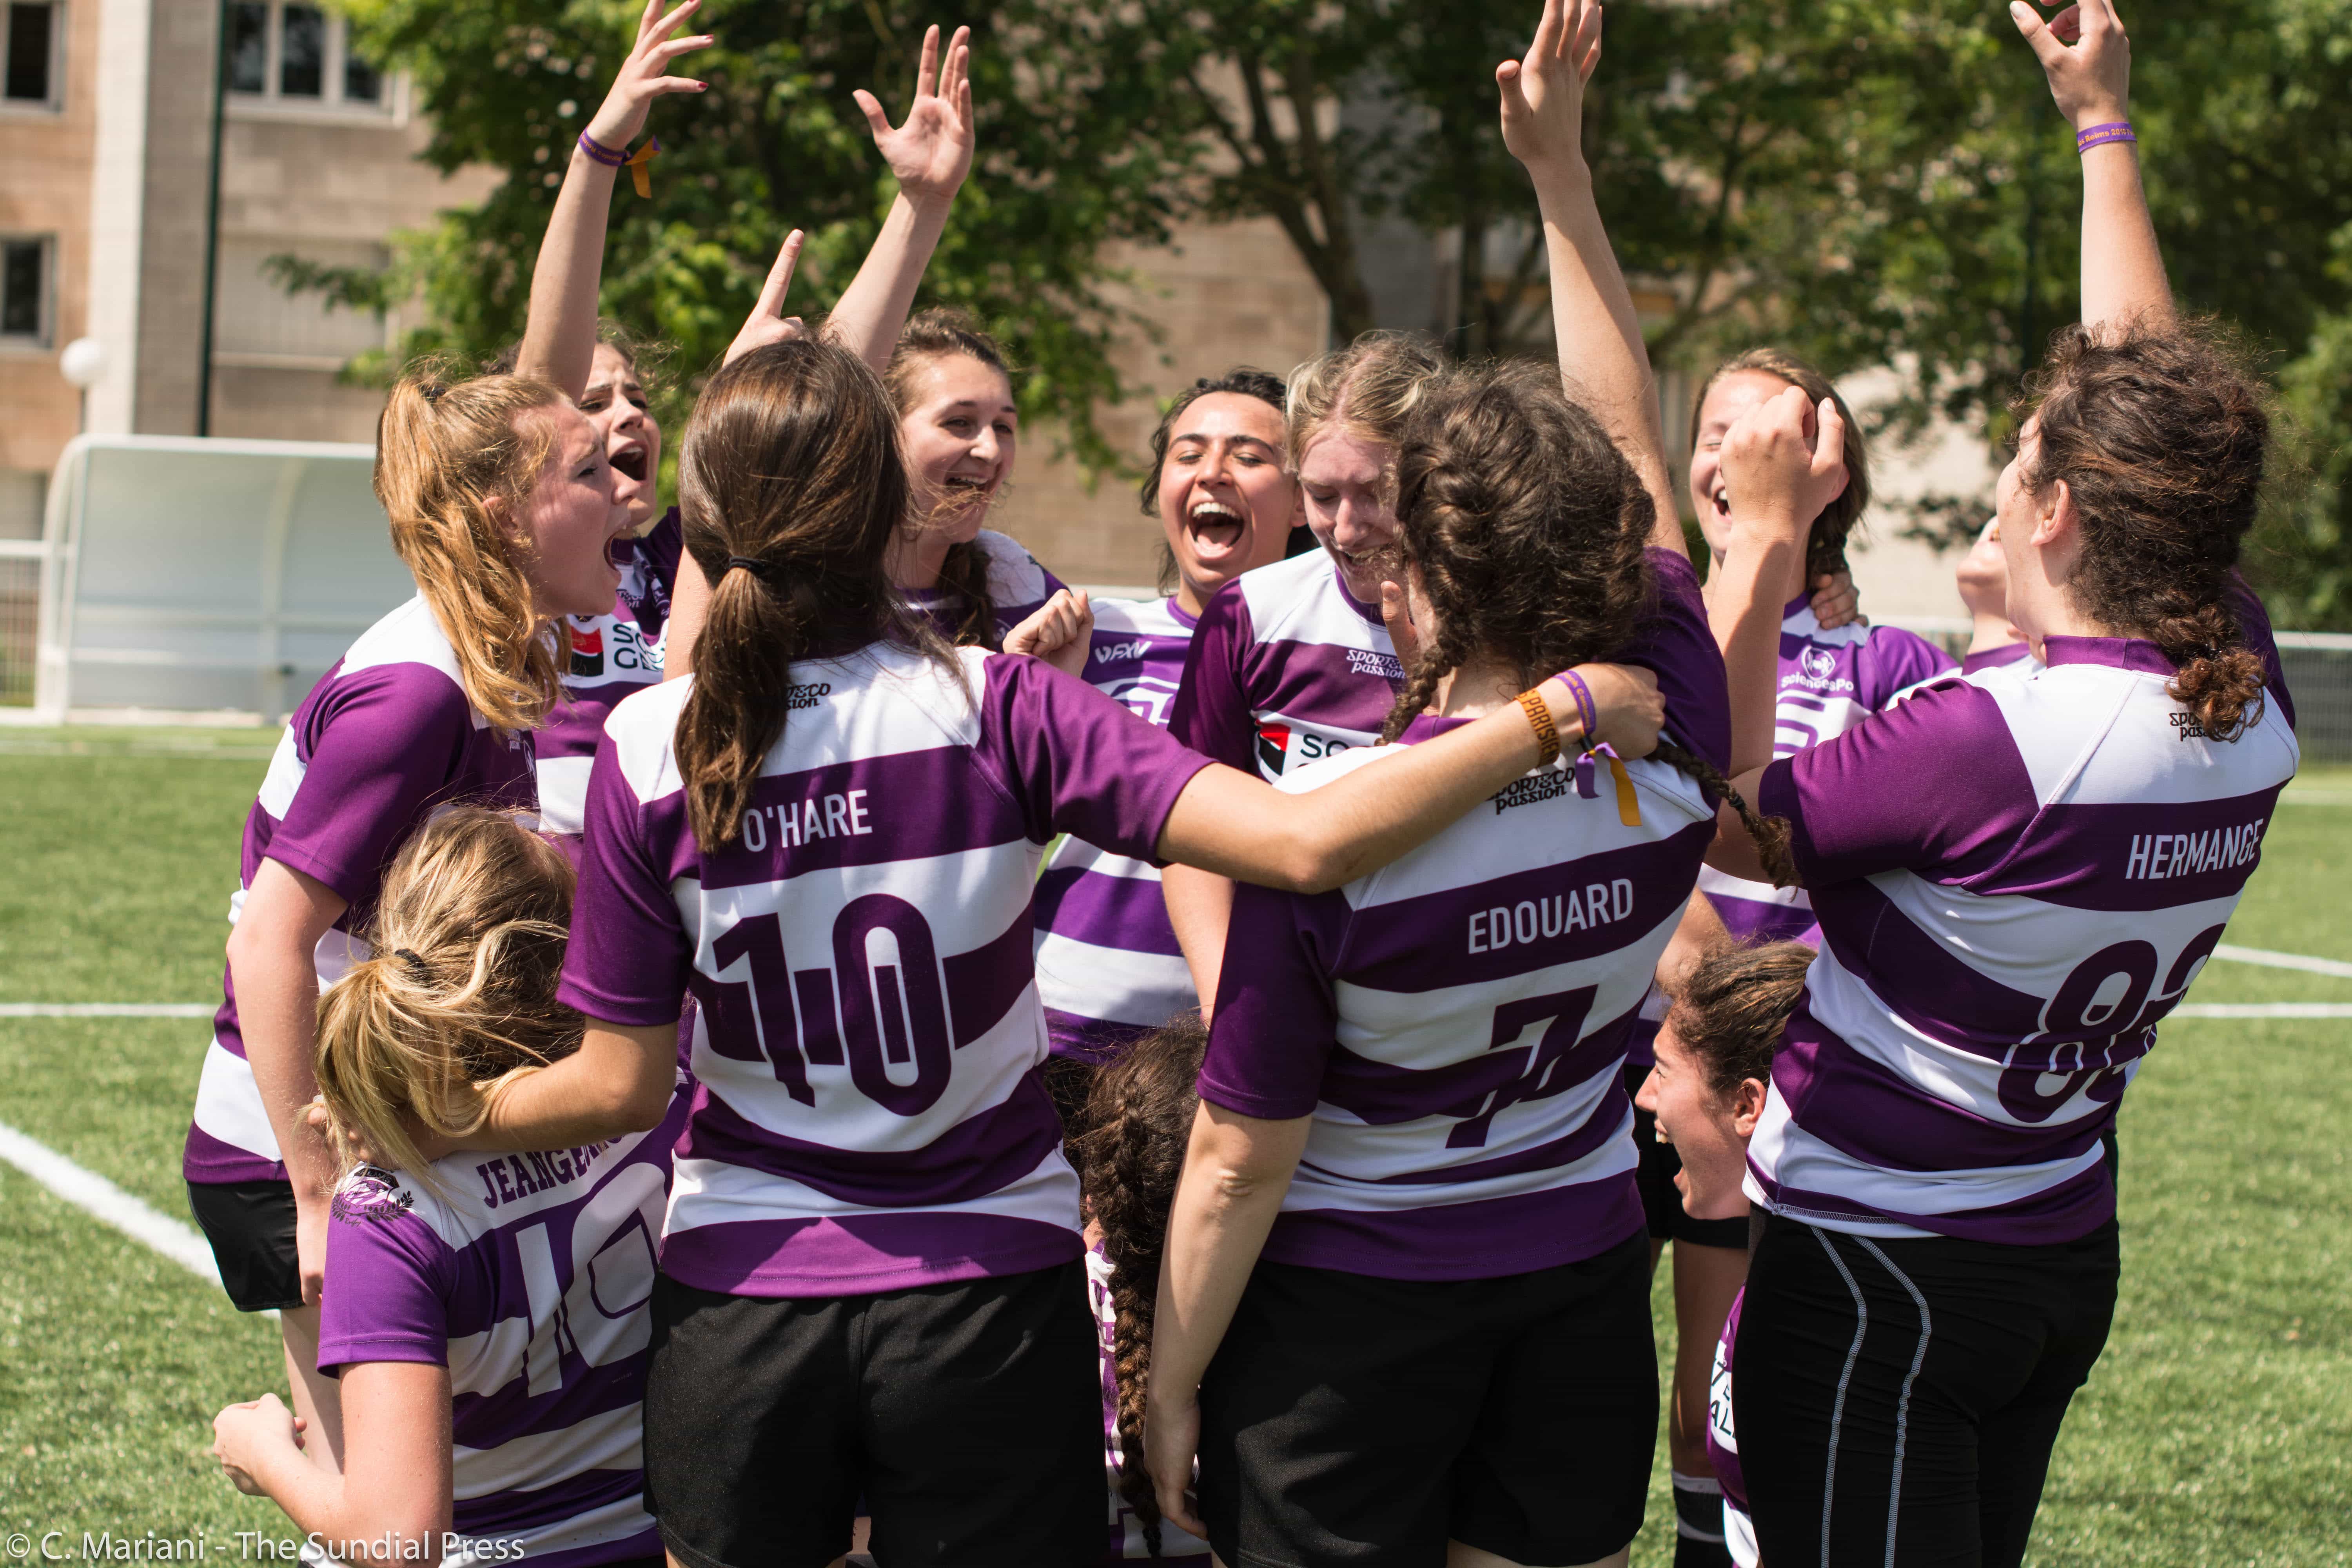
617	1083
559	339
689	607
1217	1225
278	1015
873	309
1200	907
1744	597
1604	361
1734	851
2123	268
338	1510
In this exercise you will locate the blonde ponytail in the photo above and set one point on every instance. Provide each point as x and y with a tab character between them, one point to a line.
445	448
459	993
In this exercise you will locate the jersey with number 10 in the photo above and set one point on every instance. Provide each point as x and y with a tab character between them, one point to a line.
868	1038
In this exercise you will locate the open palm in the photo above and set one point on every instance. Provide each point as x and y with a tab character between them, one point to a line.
930	154
1543	95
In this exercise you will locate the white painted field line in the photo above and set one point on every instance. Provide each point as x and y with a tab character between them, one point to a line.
2269	960
2263	1010
108	1009
93	1194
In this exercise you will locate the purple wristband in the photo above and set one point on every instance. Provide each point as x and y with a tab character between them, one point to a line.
600	154
2100	135
1587	714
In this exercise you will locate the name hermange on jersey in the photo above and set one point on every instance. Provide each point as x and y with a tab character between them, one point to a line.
1529	919
794	822
2155	855
510	1178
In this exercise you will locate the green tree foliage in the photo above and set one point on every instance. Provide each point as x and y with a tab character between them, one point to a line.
1075	151
1869	184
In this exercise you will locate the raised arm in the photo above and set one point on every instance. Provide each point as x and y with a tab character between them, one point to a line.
558	338
930	154
1603	357
2087	57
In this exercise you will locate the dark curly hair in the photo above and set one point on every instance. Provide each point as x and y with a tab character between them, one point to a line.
1242	381
2160	435
1731	1007
1529	525
1129	1151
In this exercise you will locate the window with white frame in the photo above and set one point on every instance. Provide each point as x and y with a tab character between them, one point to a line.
32	75
298	56
27	265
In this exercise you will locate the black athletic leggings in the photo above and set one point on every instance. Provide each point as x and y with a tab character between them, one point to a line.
1898	1401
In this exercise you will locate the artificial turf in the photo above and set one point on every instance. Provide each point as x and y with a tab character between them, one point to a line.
2216	1429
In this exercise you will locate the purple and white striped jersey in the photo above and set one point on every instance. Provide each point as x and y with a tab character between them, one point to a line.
1286	666
530	1277
1109	969
1017	586
869	1042
1723	1444
384	739
1127	1542
604	658
1829	681
1454	1023
2017	873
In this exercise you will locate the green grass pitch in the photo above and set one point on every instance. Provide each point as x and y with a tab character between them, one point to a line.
2217	1430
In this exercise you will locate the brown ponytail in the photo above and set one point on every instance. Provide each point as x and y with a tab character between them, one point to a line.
2160	438
1731	1007
1138	1120
459	992
444	448
790	464
931	334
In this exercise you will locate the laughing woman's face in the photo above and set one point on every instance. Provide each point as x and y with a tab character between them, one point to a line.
1225	504
617	410
1344	479
959	430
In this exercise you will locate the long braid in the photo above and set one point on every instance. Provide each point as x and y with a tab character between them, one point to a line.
1138	1118
1770	833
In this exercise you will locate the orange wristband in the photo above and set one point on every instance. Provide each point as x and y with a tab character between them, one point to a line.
1539	714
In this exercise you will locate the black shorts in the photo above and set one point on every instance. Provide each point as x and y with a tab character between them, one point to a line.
251	1227
968	1416
1902	1396
1662	1205
1350	1418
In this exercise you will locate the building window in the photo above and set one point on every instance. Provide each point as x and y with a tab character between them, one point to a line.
36	33
25	272
296	56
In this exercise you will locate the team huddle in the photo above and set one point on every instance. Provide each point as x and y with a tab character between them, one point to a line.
768	1027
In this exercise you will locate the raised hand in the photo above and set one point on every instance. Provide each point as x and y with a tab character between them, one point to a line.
1061	632
2086	56
930	154
767	323
1784	461
642	76
1543	95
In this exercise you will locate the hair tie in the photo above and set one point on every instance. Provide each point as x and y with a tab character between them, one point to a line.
431	391
751	564
415	960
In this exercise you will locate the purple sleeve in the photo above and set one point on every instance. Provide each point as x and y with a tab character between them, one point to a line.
1674	644
2254	624
628	958
1994	658
383	746
1931	781
1276	1022
1893	660
1076	762
387	1297
1213	714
